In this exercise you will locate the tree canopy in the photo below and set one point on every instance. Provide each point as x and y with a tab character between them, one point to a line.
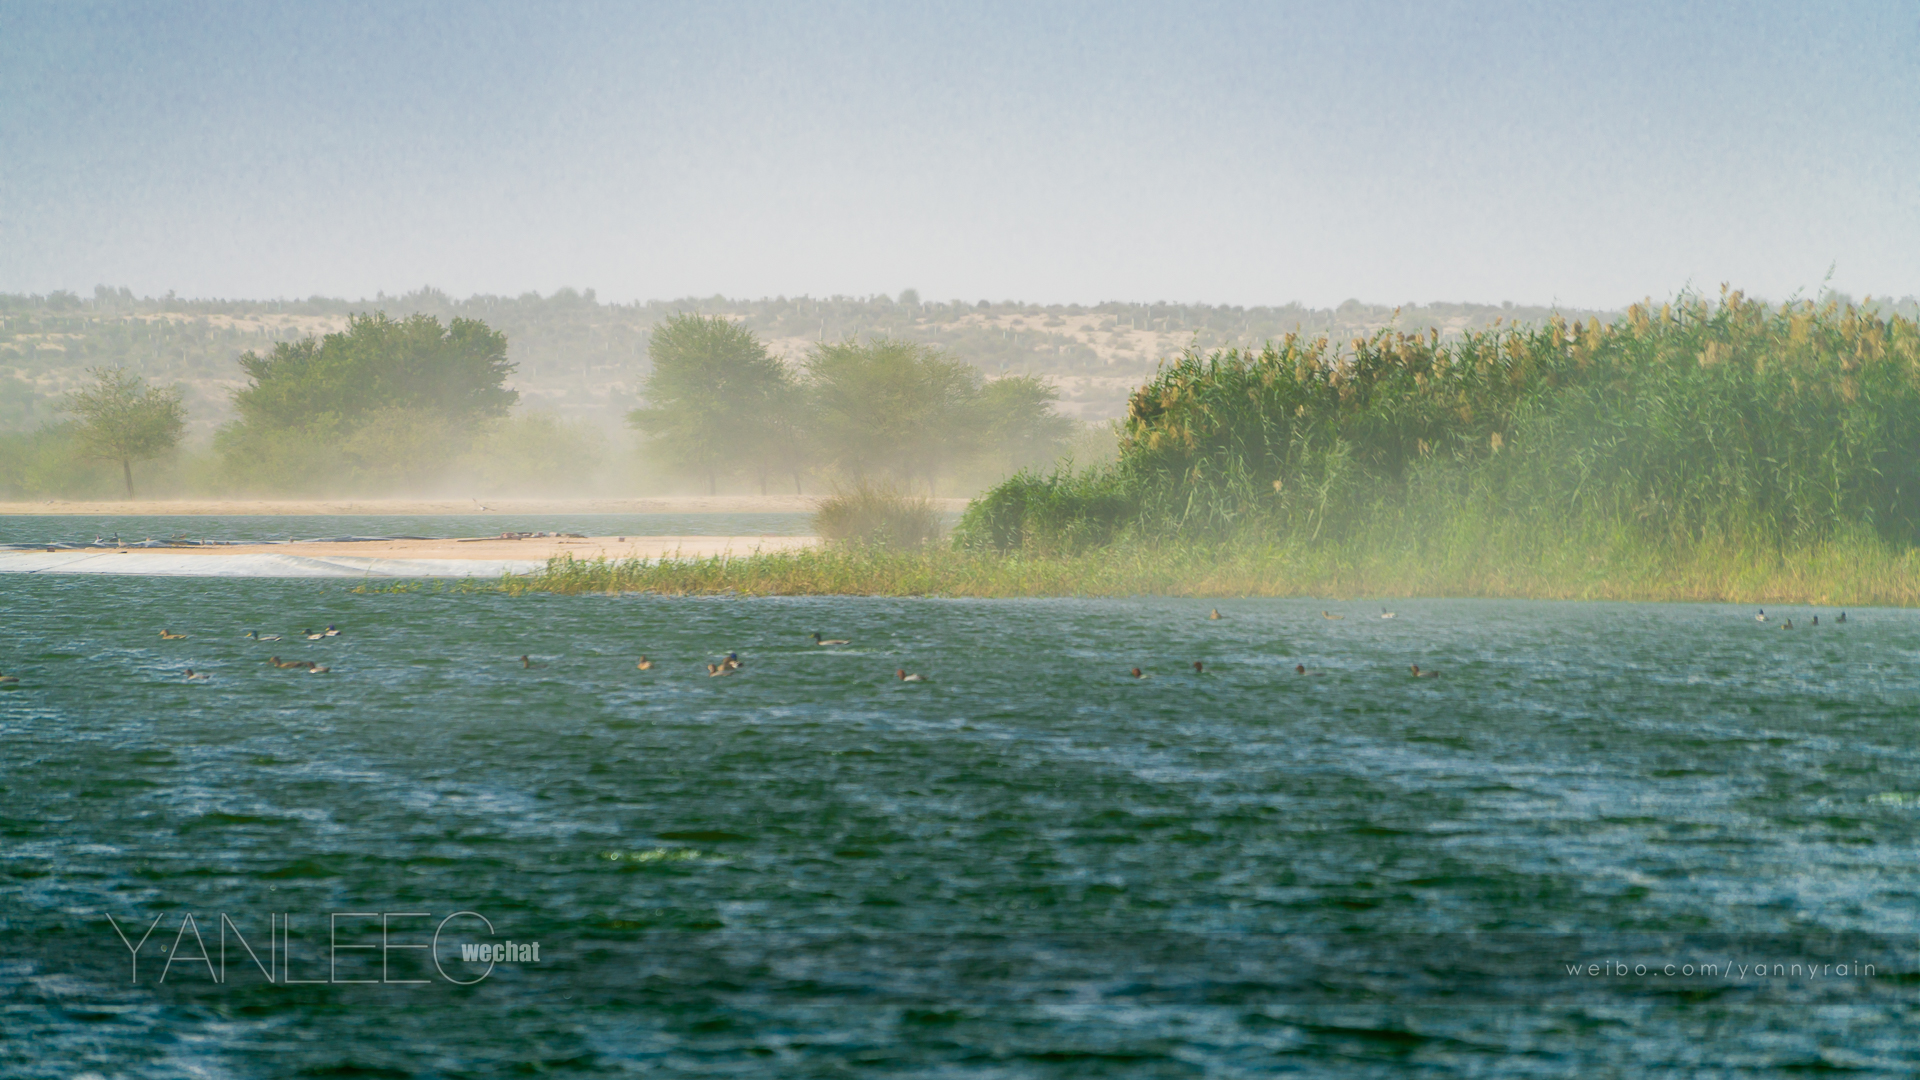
716	401
893	407
121	418
453	373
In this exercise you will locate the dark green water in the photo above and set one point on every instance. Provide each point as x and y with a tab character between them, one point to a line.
1032	865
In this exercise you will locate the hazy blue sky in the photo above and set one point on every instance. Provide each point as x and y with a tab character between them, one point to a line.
1236	153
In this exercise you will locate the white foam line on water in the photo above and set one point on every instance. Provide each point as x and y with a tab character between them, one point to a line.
152	564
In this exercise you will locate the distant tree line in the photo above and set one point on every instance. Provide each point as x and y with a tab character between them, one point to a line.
717	405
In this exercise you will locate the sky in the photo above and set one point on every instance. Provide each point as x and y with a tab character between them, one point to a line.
1264	153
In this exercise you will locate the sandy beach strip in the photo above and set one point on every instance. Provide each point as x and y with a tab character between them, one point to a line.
479	557
674	504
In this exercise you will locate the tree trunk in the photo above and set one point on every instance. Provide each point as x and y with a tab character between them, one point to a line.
126	471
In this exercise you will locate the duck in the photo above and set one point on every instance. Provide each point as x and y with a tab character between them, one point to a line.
279	663
1214	614
330	631
818	640
1418	674
9	680
258	636
1788	625
1816	620
193	675
644	664
1138	674
317	669
1842	618
529	662
313	635
1762	617
1199	668
732	662
1331	615
1301	669
716	670
1385	614
168	635
903	676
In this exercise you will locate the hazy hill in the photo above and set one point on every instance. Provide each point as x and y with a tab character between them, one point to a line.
584	358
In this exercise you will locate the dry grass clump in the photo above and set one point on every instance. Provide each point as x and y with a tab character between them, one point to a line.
873	515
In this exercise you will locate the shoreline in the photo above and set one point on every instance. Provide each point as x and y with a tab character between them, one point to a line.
475	557
663	504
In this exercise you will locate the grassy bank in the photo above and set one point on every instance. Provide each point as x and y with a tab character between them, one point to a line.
1857	571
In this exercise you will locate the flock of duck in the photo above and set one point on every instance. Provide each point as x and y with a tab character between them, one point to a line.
731	663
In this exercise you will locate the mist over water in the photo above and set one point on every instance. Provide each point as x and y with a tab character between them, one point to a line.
1031	865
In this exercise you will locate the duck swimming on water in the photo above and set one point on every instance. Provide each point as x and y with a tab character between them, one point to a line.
258	636
193	675
1762	617
1214	614
1418	674
1331	615
644	664
1301	669
1842	618
817	640
529	662
903	676
168	635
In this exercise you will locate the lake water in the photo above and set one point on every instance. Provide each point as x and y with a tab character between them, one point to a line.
1031	865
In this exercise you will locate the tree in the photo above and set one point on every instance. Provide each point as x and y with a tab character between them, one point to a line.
123	419
893	406
386	400
715	401
455	373
1018	424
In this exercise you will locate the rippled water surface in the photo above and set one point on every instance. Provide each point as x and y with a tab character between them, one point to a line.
1032	864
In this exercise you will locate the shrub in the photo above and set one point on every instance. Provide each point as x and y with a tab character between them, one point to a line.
1058	513
876	516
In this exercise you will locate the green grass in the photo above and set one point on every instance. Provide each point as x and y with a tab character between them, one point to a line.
1859	570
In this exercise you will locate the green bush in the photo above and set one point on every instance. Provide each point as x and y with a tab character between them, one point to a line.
876	516
1059	513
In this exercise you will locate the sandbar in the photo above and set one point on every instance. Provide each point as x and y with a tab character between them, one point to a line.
666	504
477	557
